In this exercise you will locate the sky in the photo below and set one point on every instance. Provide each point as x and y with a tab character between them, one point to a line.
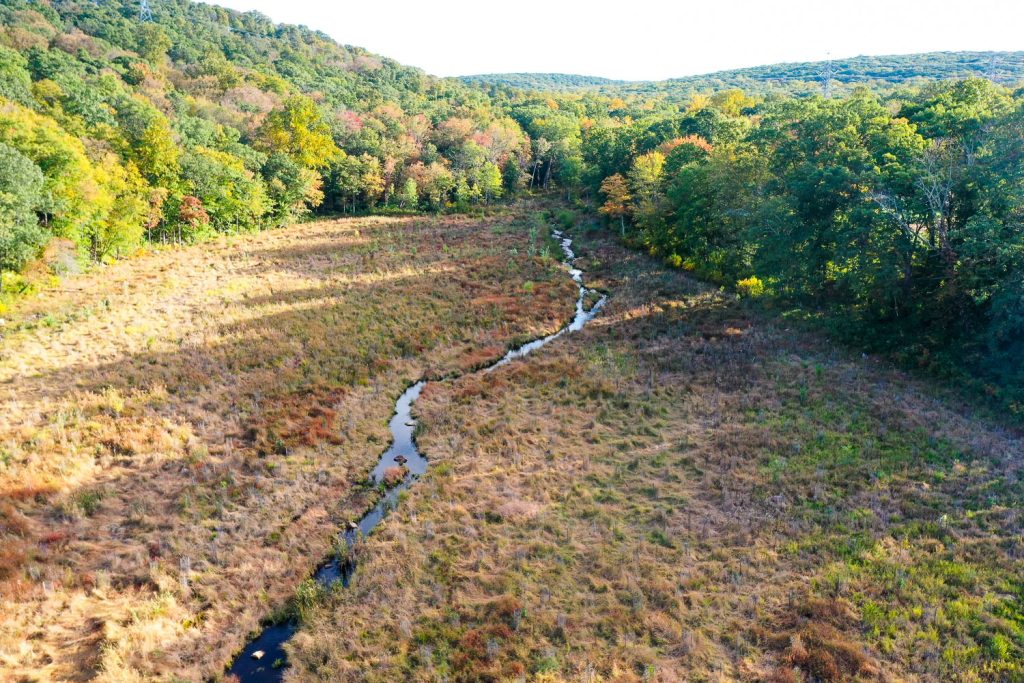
647	39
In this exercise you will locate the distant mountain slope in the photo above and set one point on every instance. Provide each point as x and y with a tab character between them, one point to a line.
542	81
1007	67
885	68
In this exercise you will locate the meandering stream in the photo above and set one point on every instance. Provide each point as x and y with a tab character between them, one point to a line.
263	659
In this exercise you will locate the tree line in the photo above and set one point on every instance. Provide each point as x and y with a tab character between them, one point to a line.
896	218
115	131
894	215
900	222
881	73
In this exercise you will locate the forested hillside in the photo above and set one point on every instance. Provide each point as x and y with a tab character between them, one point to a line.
690	482
895	213
896	218
541	81
115	130
876	71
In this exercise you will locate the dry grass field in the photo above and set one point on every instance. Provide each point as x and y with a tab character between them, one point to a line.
688	491
182	434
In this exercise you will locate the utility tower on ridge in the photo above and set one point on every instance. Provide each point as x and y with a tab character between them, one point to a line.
145	13
991	73
828	72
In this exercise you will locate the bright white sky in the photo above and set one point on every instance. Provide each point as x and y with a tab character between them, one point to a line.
647	39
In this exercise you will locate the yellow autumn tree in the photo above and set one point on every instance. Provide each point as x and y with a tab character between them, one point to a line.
617	198
298	130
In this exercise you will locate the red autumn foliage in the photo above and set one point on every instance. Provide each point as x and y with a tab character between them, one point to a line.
191	211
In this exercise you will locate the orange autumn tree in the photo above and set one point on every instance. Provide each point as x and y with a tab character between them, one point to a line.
694	140
617	199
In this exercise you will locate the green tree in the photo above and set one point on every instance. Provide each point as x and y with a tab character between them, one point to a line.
147	139
234	198
438	183
15	80
409	195
490	182
645	183
153	42
69	175
713	203
293	190
512	176
21	195
344	182
465	193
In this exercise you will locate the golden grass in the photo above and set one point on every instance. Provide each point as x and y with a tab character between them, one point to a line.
182	434
687	491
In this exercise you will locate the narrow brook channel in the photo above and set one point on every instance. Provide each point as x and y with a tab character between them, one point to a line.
263	659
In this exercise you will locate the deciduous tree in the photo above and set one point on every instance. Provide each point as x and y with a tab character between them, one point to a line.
617	199
299	130
21	195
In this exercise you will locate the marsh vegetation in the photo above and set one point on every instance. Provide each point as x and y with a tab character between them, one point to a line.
186	431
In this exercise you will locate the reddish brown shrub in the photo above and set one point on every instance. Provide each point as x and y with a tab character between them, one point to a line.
504	607
12	557
393	476
784	674
12	521
53	537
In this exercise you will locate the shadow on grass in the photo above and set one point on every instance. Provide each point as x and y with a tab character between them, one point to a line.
197	446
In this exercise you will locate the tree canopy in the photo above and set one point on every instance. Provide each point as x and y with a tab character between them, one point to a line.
893	211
